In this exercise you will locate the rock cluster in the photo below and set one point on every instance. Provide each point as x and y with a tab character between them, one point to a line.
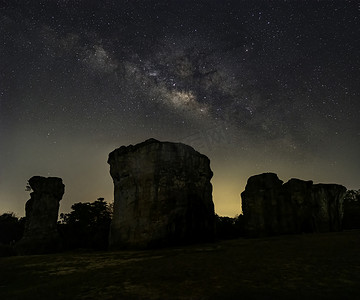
162	195
40	235
271	207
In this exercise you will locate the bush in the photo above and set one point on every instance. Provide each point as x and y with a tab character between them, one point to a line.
229	228
6	250
87	226
351	219
11	228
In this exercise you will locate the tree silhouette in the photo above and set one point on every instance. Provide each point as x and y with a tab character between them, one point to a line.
11	228
229	228
351	218
87	225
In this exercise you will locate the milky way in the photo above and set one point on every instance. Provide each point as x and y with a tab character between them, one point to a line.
257	86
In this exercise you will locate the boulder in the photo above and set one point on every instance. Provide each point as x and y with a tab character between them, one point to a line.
40	234
162	195
271	207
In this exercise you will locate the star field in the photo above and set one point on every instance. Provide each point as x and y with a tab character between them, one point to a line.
257	86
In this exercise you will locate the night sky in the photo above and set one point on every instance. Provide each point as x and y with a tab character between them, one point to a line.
257	86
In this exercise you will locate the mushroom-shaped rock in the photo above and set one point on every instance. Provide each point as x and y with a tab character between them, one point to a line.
40	235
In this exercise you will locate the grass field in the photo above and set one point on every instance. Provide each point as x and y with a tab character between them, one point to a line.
312	266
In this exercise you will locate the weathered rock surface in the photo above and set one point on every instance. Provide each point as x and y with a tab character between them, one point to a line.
271	207
296	207
40	235
260	202
162	195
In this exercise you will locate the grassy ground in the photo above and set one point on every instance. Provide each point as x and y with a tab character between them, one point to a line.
313	266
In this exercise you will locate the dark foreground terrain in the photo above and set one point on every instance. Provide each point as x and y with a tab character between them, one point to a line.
313	266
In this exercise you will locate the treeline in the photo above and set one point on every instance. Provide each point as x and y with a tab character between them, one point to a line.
11	228
11	231
351	219
229	228
87	226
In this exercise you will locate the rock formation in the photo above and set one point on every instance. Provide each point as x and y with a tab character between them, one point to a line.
162	195
40	235
259	203
271	207
296	207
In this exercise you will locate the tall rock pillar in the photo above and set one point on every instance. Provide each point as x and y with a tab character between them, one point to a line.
162	195
260	203
40	235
